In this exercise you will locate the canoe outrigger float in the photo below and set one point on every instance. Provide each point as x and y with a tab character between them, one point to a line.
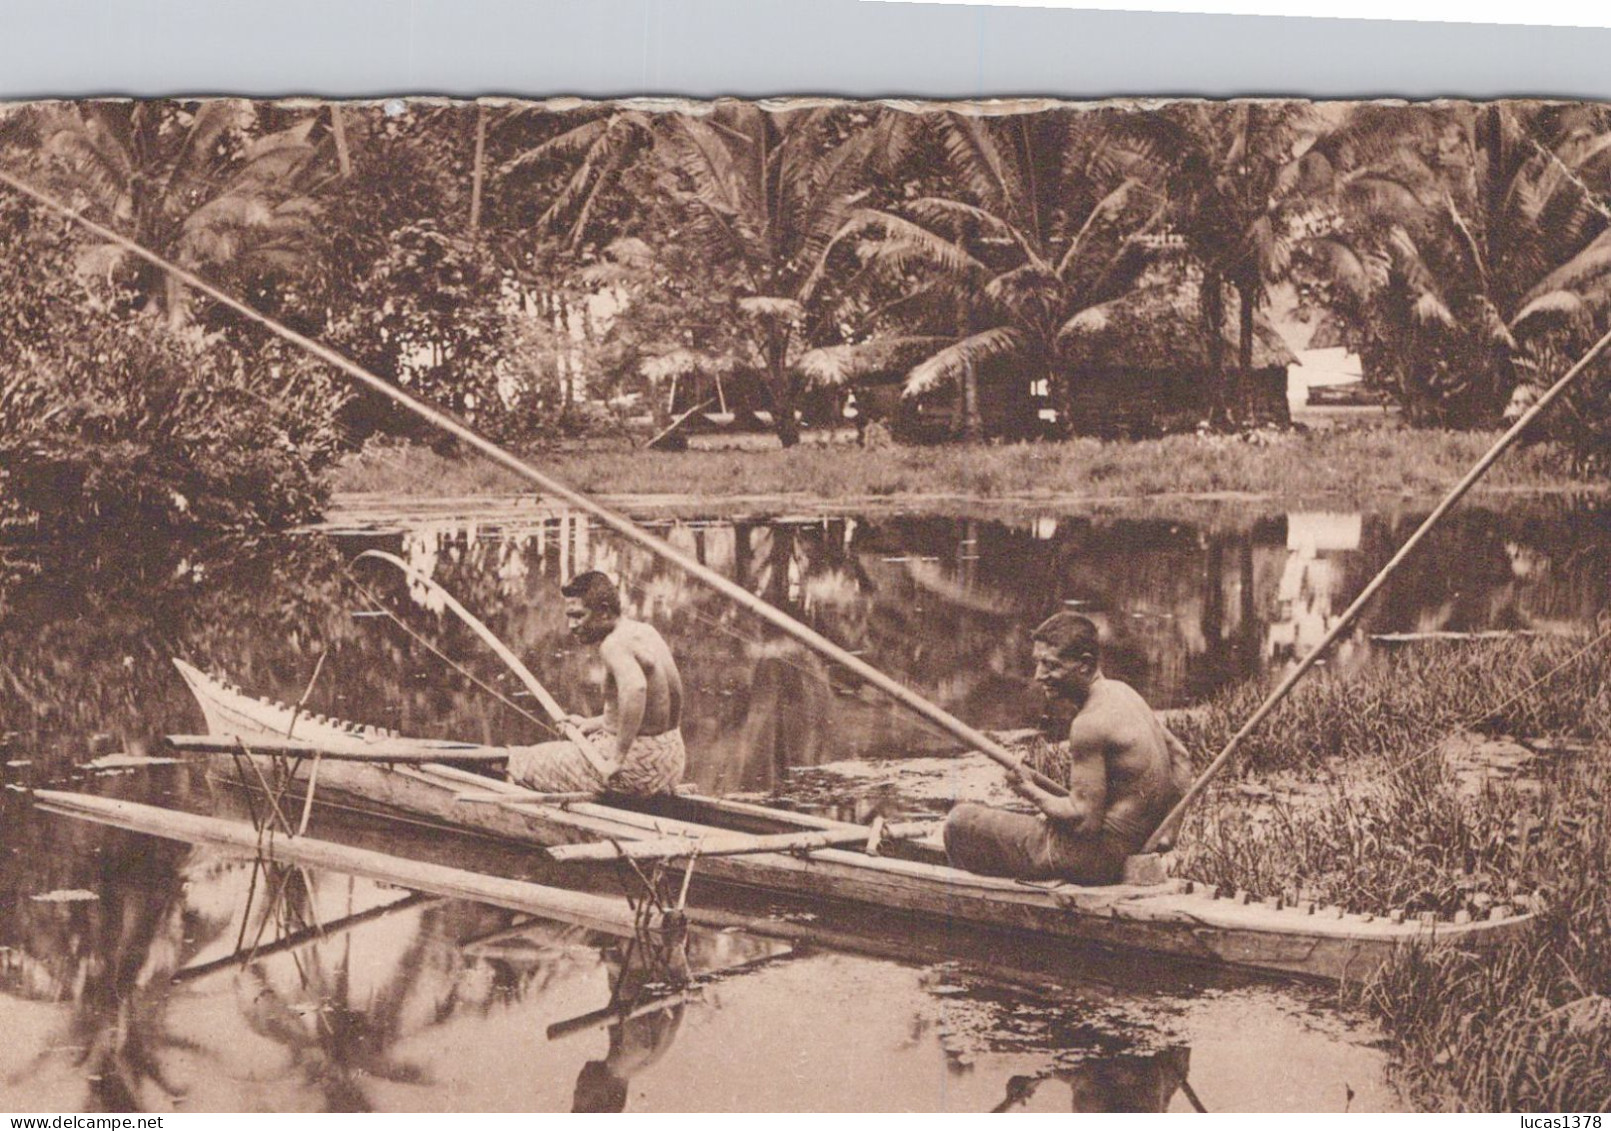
389	775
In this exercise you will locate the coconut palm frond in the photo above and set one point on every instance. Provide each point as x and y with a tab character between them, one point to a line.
1110	204
1024	280
1468	240
936	210
1429	308
772	307
1550	305
236	210
1379	194
580	141
910	240
842	364
950	363
680	362
1577	273
1091	320
99	167
1347	266
192	168
723	218
833	181
703	156
973	155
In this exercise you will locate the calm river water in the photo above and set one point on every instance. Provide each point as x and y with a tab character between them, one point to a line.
117	988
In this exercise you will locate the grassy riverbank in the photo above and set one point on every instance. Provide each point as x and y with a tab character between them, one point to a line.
1340	467
1370	791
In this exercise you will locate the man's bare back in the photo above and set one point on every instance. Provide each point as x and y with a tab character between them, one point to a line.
1145	768
635	653
1126	771
635	744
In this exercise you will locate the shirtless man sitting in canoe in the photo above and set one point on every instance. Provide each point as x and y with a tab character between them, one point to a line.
635	746
1126	772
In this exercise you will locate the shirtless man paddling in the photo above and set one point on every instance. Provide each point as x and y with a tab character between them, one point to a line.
1126	772
635	744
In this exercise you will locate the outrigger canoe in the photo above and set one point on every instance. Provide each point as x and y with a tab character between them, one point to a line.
387	774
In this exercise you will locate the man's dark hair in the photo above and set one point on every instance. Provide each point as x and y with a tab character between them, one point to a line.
596	591
1071	634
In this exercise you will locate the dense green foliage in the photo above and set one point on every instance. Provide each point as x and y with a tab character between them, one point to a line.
543	271
123	419
160	429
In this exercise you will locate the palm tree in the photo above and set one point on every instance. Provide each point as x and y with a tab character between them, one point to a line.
1234	175
1470	246
754	194
1046	223
199	184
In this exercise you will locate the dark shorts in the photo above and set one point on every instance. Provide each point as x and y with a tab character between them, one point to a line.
998	842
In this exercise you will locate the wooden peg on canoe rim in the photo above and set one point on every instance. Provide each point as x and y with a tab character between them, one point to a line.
875	836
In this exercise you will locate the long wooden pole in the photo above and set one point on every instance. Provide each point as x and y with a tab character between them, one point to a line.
595	912
618	523
561	720
909	943
387	751
1346	621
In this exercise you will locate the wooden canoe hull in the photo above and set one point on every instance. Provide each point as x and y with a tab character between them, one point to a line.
1172	918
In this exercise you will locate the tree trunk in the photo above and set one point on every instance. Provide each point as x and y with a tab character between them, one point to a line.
1248	297
476	170
562	353
781	393
1213	310
338	131
783	414
174	302
972	425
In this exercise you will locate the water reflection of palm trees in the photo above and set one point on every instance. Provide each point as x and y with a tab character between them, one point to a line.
110	955
333	1045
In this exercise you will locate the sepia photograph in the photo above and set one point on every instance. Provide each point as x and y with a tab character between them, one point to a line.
809	604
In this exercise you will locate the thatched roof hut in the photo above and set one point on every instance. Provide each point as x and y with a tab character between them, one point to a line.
1140	365
1160	327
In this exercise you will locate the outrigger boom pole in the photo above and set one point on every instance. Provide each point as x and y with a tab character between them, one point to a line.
618	523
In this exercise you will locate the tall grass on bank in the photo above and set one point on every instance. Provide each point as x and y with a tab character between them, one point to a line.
1408	696
1527	1028
1369	815
1338	466
1384	824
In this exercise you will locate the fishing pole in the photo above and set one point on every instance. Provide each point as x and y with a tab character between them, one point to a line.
549	704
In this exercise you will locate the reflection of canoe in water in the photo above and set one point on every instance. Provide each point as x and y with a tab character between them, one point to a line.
1173	917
